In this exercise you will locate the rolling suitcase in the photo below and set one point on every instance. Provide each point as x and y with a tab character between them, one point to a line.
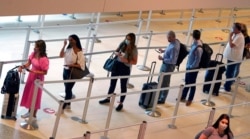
10	90
210	74
147	99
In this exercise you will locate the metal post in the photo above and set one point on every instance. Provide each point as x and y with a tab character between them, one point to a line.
119	14
162	12
234	96
111	105
139	31
172	125
143	66
190	27
181	16
96	26
87	135
26	50
201	10
19	19
153	112
73	16
58	115
229	23
211	117
84	115
129	85
31	124
90	26
91	50
139	17
207	101
219	16
142	130
1	68
148	23
41	25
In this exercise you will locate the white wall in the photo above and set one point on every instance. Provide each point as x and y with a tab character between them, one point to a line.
38	7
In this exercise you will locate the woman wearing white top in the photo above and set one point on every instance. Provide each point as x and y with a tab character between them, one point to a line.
73	57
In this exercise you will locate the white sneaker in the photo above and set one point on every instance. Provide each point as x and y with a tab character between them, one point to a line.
26	115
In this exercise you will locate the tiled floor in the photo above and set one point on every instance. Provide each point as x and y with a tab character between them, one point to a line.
190	120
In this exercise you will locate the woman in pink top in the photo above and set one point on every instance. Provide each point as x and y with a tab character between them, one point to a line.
40	64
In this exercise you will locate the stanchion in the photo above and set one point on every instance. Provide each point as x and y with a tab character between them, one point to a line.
1	68
234	96
153	112
59	112
72	16
211	117
172	125
148	23
119	14
31	123
207	101
87	135
190	27
96	27
181	16
219	16
139	17
84	115
111	105
26	51
142	130
143	67
19	19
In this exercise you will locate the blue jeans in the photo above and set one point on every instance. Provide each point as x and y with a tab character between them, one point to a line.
68	86
231	72
166	80
190	78
122	70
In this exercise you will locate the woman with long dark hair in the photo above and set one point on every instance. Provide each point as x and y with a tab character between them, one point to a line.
127	56
219	130
73	57
40	65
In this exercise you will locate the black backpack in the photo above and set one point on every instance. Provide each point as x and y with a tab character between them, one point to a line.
206	55
11	82
182	54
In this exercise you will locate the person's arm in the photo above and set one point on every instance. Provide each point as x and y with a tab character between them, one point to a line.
44	66
203	136
231	40
63	49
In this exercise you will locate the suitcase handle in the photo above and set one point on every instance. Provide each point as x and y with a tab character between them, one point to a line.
217	57
151	71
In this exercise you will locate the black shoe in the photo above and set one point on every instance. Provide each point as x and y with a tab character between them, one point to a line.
104	101
160	102
119	107
182	100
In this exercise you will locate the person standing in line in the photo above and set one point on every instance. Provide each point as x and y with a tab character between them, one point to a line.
233	53
73	57
247	44
193	61
127	56
40	65
219	130
169	60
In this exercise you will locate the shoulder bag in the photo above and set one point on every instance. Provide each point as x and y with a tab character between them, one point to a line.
111	63
78	73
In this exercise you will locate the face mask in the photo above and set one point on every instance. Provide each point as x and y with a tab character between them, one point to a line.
232	29
223	126
127	42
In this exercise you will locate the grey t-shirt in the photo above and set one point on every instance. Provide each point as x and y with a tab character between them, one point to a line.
212	133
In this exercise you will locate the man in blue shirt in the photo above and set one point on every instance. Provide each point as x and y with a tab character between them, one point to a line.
193	62
169	60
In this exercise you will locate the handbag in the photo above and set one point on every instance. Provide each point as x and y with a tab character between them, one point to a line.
111	64
78	73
